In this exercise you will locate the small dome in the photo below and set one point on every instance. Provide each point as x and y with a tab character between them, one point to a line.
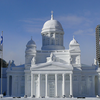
52	25
31	43
73	42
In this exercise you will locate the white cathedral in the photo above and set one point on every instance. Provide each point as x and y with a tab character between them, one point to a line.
53	71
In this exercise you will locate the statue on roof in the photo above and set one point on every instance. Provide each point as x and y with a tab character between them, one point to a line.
12	64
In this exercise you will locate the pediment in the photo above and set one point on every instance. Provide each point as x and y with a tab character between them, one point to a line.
52	66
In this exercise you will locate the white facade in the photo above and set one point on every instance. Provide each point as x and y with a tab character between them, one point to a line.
53	71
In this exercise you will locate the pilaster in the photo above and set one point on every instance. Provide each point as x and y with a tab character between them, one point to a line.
32	83
46	83
63	85
7	85
55	85
71	85
13	85
39	85
93	78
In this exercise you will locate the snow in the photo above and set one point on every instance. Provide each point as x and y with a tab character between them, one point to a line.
22	98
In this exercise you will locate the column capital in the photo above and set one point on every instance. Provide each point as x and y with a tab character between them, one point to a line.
46	74
56	74
39	75
63	74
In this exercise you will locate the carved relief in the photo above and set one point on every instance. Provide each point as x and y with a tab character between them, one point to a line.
33	61
12	64
9	65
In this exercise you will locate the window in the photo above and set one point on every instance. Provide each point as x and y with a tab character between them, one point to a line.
83	78
51	34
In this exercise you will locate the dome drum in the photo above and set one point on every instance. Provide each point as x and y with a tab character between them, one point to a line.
53	47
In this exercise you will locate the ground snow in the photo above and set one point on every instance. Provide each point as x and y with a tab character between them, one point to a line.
22	98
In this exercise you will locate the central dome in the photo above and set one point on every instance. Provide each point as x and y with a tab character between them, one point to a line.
52	26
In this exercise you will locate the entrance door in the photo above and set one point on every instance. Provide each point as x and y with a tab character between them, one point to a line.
10	85
96	85
51	89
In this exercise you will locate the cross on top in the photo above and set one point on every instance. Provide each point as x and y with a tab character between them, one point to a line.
51	15
73	36
51	12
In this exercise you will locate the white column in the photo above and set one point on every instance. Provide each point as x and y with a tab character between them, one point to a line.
71	85
46	83
63	85
54	38
12	85
25	84
32	83
56	85
98	85
7	85
39	85
93	80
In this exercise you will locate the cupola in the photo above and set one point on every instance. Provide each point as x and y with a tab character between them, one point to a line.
74	44
52	35
30	53
30	47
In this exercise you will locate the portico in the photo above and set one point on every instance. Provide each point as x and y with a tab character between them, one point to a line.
51	85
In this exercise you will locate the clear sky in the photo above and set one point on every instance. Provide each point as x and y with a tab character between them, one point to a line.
21	19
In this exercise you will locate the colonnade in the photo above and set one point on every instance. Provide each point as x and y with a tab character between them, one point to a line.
52	39
46	84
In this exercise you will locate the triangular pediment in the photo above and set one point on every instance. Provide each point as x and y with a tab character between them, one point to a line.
52	66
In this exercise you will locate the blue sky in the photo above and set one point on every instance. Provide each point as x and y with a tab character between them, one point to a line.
21	19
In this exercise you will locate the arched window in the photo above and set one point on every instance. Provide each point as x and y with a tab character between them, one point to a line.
57	42
47	41
51	34
52	43
43	41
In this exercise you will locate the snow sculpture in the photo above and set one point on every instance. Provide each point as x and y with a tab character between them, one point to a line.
9	65
33	61
95	62
12	64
